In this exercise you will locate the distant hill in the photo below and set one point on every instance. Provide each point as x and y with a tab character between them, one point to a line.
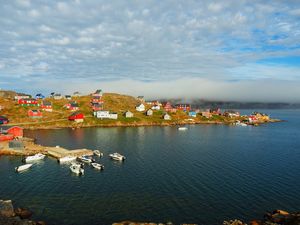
7	94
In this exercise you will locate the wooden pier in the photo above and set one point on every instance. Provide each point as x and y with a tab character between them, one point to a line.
59	152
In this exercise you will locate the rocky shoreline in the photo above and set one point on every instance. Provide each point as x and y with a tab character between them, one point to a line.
138	124
21	216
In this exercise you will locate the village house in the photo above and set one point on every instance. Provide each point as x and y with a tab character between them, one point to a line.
96	99
28	102
141	98
39	96
167	106
153	103
155	107
35	113
68	97
166	116
102	114
231	113
183	107
77	117
192	114
128	114
57	96
3	120
46	106
15	131
261	116
73	106
140	108
97	106
206	114
252	119
97	93
149	112
18	97
215	111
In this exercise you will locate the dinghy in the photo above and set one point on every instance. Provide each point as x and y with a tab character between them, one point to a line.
23	167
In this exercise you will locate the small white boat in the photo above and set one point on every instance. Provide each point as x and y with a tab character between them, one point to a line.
77	168
35	157
23	167
98	166
98	153
182	128
67	159
239	123
117	156
86	159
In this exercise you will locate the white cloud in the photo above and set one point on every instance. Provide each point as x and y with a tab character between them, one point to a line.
45	28
33	13
24	3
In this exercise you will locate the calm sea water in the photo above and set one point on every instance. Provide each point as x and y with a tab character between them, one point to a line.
203	175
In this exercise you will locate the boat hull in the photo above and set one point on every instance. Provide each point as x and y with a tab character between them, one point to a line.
23	167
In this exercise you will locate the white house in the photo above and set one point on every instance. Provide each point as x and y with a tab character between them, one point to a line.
149	112
102	114
18	97
128	114
140	108
57	96
155	107
167	117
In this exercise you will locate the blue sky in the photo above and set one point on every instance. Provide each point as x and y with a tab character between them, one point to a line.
225	50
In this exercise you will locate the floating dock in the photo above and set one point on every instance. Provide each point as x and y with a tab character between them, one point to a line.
59	152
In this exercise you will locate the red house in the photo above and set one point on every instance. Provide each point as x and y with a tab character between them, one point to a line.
73	106
28	102
168	107
46	106
97	99
77	117
15	131
35	113
183	107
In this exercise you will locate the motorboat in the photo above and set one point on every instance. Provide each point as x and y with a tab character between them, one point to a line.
239	123
182	128
77	168
86	159
68	158
23	167
35	157
97	166
117	156
98	153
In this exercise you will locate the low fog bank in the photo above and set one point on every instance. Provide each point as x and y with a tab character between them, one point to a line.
189	89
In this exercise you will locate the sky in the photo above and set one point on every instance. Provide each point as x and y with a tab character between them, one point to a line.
215	50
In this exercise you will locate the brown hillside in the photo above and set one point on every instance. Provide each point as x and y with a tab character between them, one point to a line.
119	103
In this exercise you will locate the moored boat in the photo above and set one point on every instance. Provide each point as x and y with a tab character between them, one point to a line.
182	128
67	159
117	156
35	157
86	159
98	153
23	167
77	168
97	166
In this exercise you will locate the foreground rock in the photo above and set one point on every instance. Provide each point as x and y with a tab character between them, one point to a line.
20	216
277	217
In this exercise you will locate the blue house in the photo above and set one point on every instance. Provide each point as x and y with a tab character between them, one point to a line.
192	114
39	96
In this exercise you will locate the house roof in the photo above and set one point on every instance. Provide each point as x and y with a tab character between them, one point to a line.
4	128
76	113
